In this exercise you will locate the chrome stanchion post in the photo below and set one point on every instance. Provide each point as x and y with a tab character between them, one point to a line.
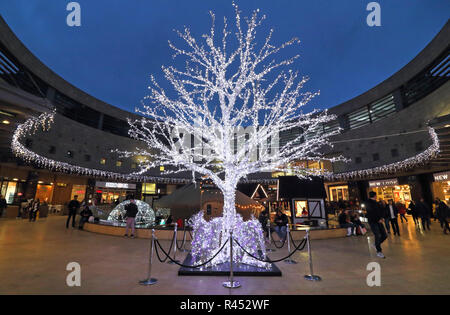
311	276
175	231
184	250
268	249
150	280
288	235
231	283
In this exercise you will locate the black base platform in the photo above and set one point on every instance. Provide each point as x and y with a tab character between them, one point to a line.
224	270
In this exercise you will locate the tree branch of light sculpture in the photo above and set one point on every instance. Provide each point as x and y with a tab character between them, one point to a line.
219	91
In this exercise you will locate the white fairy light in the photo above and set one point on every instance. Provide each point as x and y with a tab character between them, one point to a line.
404	165
145	214
44	122
221	90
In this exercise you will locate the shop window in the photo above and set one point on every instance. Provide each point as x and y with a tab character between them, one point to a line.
70	154
133	165
161	168
118	163
102	161
52	149
376	157
339	193
394	152
44	193
149	188
78	190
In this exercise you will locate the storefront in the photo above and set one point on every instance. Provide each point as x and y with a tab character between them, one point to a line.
111	192
11	189
338	192
441	186
391	189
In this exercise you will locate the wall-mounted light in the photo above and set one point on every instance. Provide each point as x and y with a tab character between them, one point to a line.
6	122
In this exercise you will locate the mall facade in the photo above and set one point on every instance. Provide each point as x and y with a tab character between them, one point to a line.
397	136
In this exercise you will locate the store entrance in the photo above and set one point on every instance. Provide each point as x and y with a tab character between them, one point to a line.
398	193
111	196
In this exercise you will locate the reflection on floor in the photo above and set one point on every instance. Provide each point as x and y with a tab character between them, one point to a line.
34	256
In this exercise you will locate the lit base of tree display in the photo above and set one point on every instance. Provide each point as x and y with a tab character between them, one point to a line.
209	238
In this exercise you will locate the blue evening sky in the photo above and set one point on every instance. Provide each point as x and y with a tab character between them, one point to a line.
121	42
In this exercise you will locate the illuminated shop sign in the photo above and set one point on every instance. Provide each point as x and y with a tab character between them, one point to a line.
115	185
442	177
383	182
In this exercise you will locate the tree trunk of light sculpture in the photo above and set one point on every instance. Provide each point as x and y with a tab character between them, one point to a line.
221	91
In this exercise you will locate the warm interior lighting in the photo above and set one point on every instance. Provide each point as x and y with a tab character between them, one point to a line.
6	122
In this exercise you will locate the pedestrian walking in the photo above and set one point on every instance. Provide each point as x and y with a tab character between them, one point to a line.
34	209
401	211
73	206
442	213
423	211
3	205
131	212
413	212
387	221
392	214
375	217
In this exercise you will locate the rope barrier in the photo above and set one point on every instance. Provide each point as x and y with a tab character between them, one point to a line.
302	244
274	243
170	248
182	265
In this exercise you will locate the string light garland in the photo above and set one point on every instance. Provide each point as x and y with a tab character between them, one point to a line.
44	122
404	165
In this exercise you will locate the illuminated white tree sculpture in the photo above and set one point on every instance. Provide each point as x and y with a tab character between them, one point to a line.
219	91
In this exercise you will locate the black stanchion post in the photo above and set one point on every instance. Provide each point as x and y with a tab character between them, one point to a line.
311	276
268	249
150	280
288	235
231	283
174	246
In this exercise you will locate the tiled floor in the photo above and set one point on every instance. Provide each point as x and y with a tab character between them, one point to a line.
33	259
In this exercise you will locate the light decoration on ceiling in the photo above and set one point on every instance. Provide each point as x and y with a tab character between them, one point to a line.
220	91
420	159
43	122
145	214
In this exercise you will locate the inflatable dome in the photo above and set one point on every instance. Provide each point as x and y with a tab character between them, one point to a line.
145	214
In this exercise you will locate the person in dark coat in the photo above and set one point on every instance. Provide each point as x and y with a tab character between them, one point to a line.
413	212
73	206
263	218
84	216
34	210
3	205
423	211
442	213
387	221
375	217
392	214
131	212
281	220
